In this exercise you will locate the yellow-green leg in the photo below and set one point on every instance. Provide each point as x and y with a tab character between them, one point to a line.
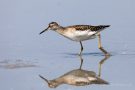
81	49
100	46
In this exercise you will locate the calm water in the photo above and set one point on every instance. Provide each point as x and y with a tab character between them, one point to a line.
24	54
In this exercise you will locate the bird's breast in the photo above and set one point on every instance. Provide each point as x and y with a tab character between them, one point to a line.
74	80
78	35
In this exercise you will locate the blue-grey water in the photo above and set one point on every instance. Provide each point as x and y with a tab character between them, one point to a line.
24	54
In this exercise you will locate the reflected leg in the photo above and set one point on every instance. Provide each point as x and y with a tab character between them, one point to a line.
100	64
81	62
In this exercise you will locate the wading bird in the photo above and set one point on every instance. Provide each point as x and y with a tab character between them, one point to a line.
79	33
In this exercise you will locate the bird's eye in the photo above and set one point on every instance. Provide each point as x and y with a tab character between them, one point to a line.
50	25
51	86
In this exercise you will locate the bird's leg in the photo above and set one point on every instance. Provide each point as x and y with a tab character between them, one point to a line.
81	49
100	64
100	46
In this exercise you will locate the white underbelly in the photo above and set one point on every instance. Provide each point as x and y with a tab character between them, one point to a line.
80	35
74	80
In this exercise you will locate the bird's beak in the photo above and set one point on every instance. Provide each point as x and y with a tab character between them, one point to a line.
44	30
44	79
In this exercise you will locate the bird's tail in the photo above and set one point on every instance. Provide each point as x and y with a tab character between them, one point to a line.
104	26
99	27
100	81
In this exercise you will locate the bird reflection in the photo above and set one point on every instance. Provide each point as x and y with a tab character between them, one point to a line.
78	77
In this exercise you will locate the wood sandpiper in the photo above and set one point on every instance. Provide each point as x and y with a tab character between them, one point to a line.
79	33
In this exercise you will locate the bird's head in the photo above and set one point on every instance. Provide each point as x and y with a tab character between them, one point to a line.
53	26
51	83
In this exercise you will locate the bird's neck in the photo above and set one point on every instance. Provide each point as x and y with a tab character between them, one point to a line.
60	30
59	80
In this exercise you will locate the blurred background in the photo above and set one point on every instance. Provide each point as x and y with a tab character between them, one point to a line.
24	53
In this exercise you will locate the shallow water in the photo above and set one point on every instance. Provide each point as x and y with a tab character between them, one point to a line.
24	54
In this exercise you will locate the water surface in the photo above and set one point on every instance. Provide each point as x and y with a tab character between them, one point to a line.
24	54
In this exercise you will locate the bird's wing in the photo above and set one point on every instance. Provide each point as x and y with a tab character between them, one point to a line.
89	27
